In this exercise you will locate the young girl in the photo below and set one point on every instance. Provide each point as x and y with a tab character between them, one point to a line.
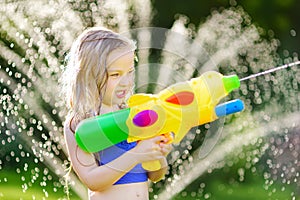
98	79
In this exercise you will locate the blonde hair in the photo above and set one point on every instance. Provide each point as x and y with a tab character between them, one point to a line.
85	76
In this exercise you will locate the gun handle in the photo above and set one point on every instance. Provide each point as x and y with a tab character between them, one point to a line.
151	165
155	165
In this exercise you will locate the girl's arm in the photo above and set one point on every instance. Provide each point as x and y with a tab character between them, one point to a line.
99	178
96	178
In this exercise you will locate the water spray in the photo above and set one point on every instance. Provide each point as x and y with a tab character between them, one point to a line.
213	135
271	70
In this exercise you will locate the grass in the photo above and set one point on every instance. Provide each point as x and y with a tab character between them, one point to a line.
252	188
14	186
217	187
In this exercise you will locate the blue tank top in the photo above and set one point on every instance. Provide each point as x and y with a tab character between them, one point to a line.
135	175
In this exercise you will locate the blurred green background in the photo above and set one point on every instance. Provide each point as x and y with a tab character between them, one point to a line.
280	18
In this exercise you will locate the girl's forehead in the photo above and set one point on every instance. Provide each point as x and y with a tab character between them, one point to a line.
119	52
120	56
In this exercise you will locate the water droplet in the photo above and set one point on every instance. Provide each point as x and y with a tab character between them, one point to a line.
293	33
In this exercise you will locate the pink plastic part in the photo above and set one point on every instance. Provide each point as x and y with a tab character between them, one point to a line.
145	118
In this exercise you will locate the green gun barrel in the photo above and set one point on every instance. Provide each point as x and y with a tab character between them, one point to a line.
98	133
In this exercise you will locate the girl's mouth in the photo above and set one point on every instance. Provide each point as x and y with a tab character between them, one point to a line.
121	94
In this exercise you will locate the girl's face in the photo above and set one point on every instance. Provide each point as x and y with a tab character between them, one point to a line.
120	76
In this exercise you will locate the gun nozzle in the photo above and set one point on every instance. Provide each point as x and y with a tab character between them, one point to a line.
231	82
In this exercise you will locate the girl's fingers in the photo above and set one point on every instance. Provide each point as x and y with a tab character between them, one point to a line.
166	148
158	139
156	147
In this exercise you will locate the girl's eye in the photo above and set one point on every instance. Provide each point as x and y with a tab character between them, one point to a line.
115	75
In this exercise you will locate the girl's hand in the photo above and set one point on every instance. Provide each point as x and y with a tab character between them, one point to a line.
149	150
156	148
166	145
165	148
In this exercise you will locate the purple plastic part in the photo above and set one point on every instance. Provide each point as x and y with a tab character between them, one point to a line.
145	118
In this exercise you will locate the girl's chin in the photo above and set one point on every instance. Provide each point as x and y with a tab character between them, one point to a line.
118	101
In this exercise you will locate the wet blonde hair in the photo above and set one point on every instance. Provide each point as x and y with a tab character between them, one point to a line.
85	76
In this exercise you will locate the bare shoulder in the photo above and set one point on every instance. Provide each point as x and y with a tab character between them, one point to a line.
78	157
68	132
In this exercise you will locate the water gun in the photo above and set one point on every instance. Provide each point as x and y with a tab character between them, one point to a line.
175	110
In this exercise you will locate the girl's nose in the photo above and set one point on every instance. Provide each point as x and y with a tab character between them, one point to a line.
126	80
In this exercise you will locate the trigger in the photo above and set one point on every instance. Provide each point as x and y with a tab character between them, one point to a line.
170	137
